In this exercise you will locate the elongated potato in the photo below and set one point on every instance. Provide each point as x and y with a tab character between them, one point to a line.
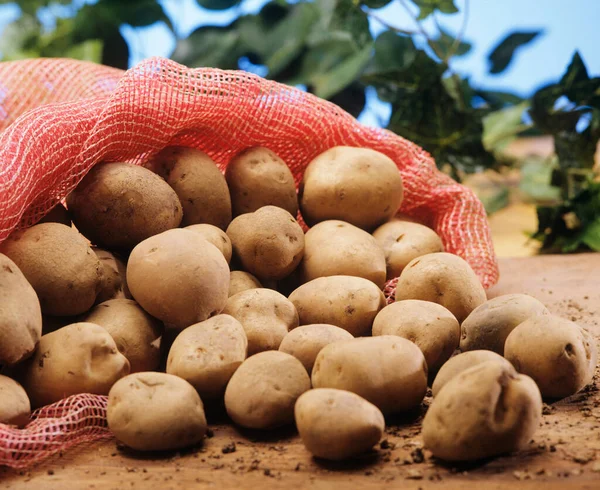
15	408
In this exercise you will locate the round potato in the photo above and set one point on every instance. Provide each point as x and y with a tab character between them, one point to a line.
114	278
429	325
207	354
14	403
335	248
262	392
348	302
558	354
304	343
155	412
489	324
388	371
216	236
78	358
337	424
60	265
269	243
58	214
442	278
403	241
257	177
117	205
178	277
241	281
136	333
357	185
485	411
266	315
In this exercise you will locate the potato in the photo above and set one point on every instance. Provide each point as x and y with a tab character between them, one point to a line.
442	278
207	354
266	315
20	314
388	371
178	277
199	184
348	302
59	264
113	284
337	424
214	235
335	248
155	412
269	243
117	205
257	177
462	362
304	343
489	324
403	241
136	333
58	214
429	325
357	185
14	403
262	392
558	354
241	281
485	411
79	358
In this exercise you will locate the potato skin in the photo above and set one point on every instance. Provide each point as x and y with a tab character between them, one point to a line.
442	278
15	408
59	264
155	412
334	248
337	424
347	302
558	354
263	391
388	371
117	205
20	314
113	283
241	281
257	177
485	411
490	323
357	185
208	353
214	235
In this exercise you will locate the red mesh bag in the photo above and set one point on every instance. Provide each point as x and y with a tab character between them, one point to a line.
60	117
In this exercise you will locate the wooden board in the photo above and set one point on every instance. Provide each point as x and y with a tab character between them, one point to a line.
565	452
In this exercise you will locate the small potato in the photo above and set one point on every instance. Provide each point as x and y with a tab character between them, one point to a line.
337	424
403	241
485	411
178	277
14	403
304	343
489	324
207	354
78	358
20	314
429	325
348	302
117	205
257	177
462	362
262	392
388	371
136	333
442	278
266	315
335	248
113	284
357	185
241	281
558	354
214	235
155	412
58	214
269	243
59	264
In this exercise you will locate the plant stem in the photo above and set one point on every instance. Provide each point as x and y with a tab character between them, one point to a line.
461	33
384	23
431	43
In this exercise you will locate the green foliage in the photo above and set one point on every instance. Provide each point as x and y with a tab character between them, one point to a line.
502	54
428	7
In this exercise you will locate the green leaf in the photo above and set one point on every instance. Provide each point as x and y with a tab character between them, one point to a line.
502	54
375	4
501	127
445	46
115	51
591	235
536	178
218	4
393	52
87	51
352	99
427	7
498	99
209	46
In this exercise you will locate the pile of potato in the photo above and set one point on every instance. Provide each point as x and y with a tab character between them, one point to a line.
180	287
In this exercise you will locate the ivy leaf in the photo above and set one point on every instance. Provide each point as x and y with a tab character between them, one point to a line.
375	4
536	181
217	4
90	50
498	99
501	127
591	235
393	52
445	45
502	54
211	46
427	7
352	99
